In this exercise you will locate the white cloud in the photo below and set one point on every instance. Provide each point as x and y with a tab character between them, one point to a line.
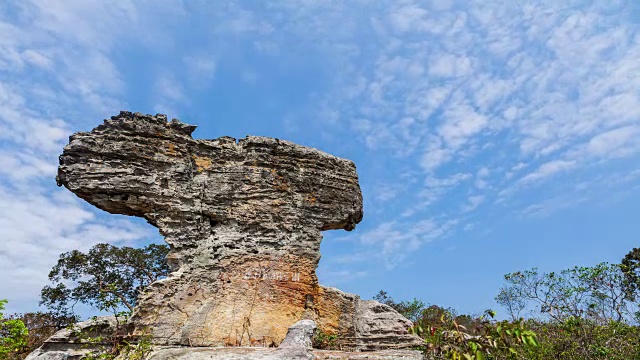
481	177
58	65
546	207
435	156
201	69
460	124
548	169
435	188
386	192
21	165
408	18
37	59
37	226
538	93
533	92
168	88
615	142
447	65
393	241
472	203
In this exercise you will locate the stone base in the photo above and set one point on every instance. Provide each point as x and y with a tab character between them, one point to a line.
66	345
75	345
252	353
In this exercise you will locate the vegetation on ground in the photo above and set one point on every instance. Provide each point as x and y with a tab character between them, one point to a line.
578	313
13	335
107	278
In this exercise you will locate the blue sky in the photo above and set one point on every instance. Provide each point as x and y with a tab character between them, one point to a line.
489	136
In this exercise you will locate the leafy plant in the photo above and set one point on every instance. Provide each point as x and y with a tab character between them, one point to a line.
114	344
321	340
40	326
487	340
578	338
13	334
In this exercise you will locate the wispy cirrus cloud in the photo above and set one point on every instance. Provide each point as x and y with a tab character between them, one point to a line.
57	74
466	108
540	94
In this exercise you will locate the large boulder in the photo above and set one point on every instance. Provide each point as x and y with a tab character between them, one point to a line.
243	219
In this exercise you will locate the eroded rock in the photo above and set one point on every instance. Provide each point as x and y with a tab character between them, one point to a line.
296	346
247	353
93	336
243	219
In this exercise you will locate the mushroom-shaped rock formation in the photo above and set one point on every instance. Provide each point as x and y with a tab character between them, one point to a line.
243	219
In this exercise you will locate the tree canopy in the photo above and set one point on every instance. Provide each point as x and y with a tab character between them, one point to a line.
597	293
106	277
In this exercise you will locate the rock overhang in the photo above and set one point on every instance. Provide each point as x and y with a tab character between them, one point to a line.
172	171
244	220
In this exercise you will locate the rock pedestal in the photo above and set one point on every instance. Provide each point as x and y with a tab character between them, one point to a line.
243	219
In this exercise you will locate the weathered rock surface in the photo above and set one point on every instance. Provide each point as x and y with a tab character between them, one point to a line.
71	345
295	346
256	353
243	219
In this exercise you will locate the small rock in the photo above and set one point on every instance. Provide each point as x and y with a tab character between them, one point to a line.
299	335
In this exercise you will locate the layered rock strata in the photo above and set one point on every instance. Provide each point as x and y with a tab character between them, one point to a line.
84	338
243	219
81	344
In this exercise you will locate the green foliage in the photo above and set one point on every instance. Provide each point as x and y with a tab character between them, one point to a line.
106	277
321	340
599	293
13	334
486	340
110	279
412	310
40	326
117	345
583	312
630	266
576	338
136	351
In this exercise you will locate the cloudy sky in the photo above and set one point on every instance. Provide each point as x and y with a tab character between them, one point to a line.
489	136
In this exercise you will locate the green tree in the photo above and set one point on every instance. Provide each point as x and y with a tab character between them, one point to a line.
512	301
631	269
597	293
13	334
106	277
412	310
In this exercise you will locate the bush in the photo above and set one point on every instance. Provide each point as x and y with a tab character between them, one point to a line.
13	335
